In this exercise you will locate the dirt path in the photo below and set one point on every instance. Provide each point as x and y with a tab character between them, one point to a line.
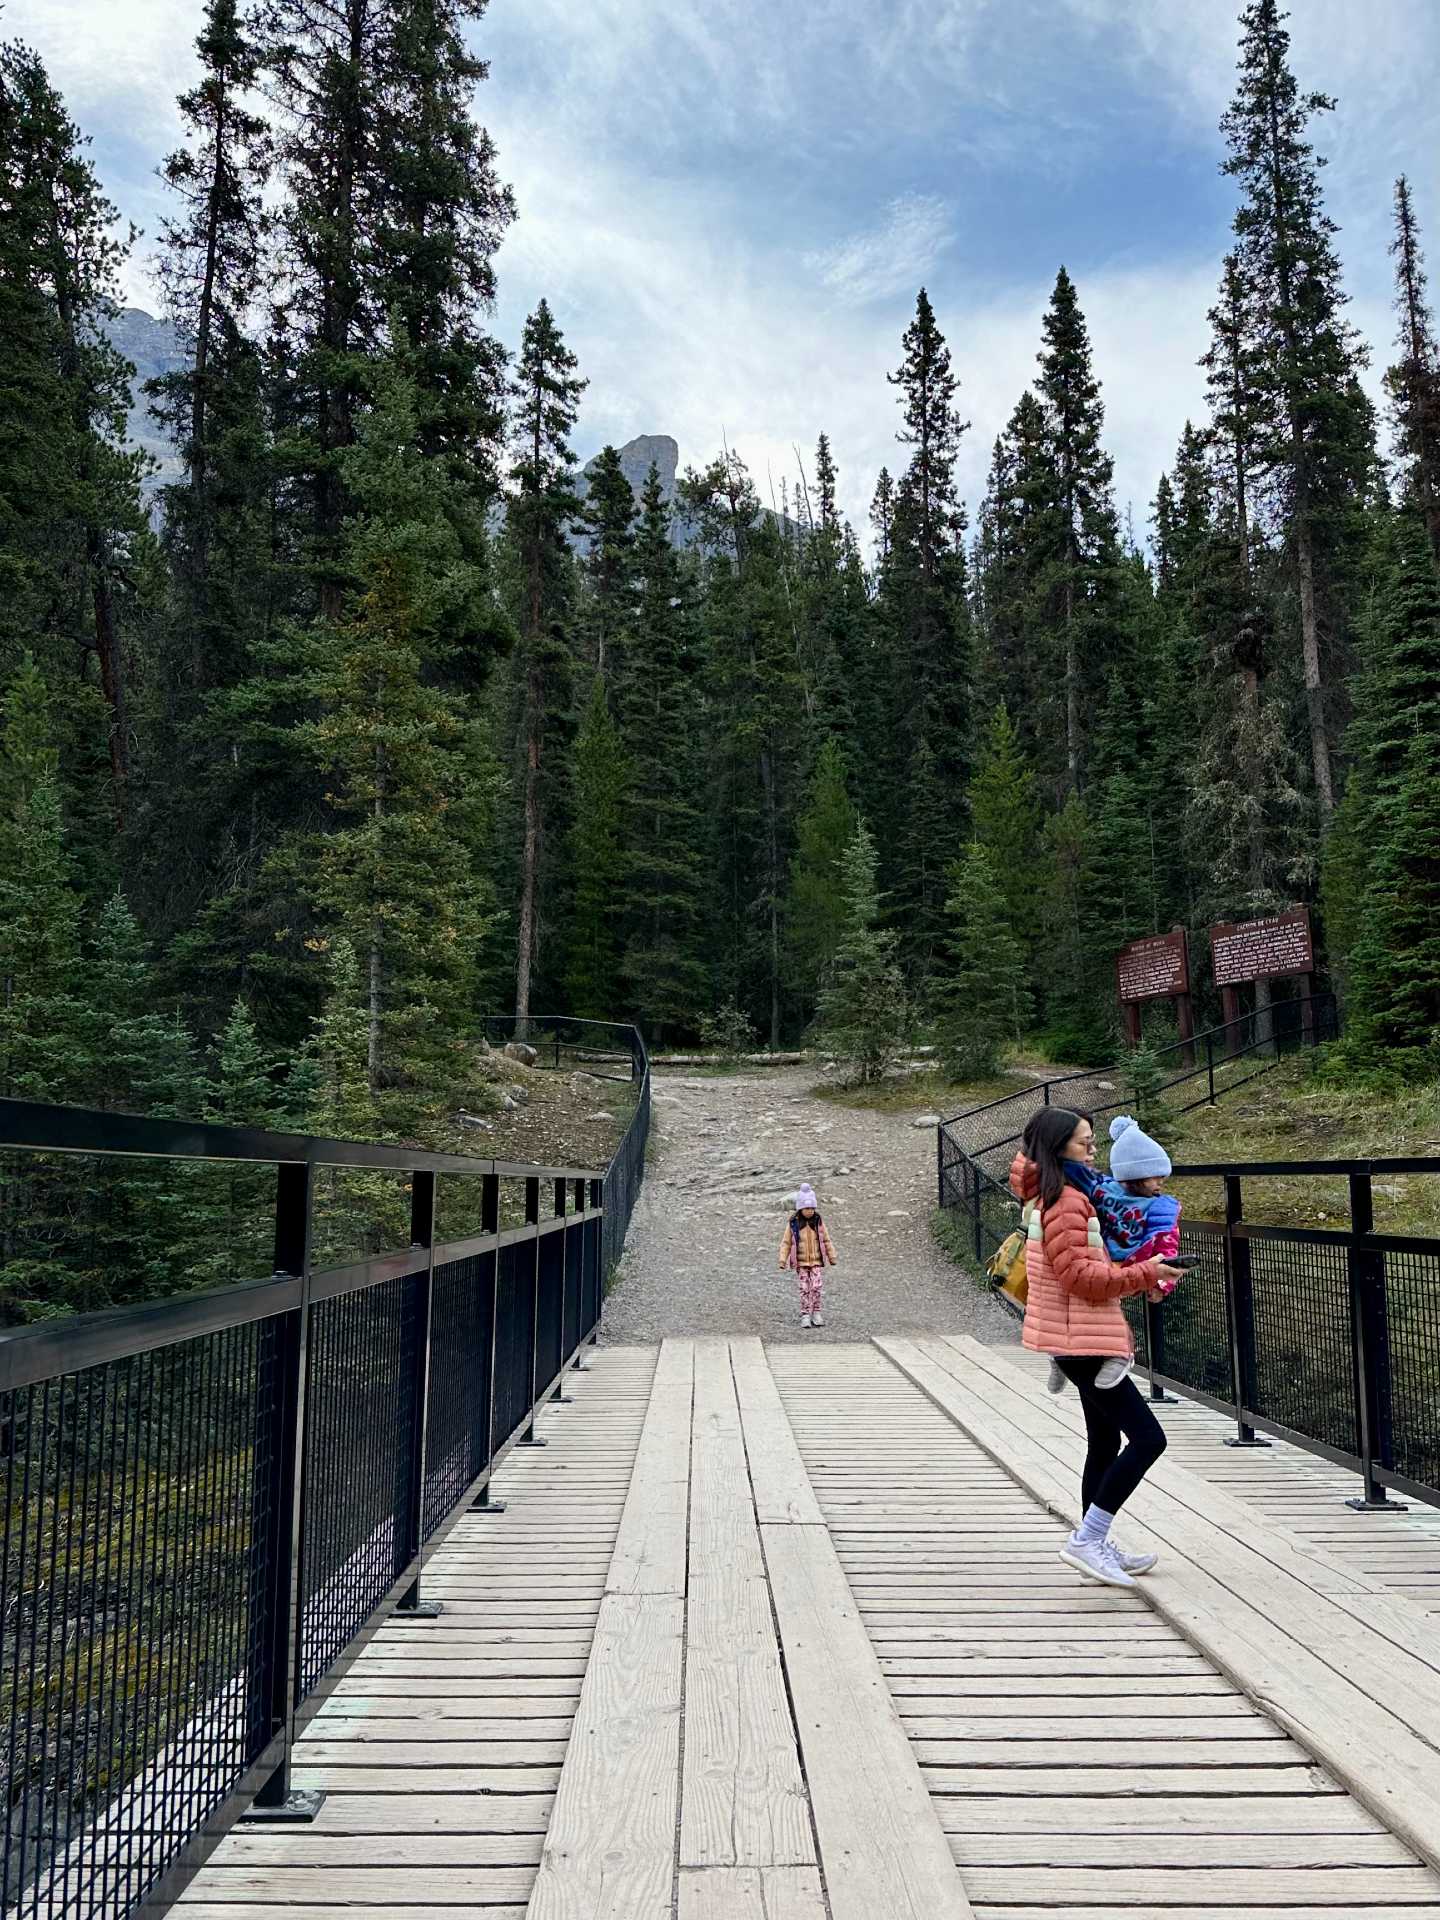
727	1155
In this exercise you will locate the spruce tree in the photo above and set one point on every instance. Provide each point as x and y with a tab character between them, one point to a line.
609	605
597	864
1310	432
1006	817
982	997
1075	415
814	910
1394	1005
862	1015
664	827
545	393
1414	380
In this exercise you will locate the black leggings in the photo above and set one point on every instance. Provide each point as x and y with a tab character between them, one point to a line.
1112	1414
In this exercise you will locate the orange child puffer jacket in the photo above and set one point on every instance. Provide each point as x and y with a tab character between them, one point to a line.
816	1248
1072	1303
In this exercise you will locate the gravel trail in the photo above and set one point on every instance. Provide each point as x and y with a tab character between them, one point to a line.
703	1246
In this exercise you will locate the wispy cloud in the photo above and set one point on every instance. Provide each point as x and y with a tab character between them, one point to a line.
889	258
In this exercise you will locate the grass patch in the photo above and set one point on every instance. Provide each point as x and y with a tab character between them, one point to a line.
955	1238
1292	1114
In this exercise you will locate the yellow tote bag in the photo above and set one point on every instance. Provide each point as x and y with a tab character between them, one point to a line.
1006	1267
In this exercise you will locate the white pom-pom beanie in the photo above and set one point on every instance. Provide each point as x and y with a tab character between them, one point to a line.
1134	1155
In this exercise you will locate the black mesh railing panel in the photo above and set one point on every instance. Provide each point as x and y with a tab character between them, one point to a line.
131	1560
360	1417
1195	1323
455	1437
1304	1368
1412	1299
514	1339
574	1287
592	1295
550	1309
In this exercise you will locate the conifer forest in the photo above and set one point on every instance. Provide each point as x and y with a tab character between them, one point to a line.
384	714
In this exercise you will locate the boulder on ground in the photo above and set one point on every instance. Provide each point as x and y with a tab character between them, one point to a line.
520	1050
926	1120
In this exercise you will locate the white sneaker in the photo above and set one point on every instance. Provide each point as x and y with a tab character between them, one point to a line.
1112	1372
1134	1562
1097	1560
1056	1380
815	1319
805	1320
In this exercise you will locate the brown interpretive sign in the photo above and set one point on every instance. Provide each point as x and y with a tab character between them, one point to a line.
1154	969
1265	949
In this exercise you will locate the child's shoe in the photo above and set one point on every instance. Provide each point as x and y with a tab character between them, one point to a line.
815	1319
1056	1380
805	1320
1113	1372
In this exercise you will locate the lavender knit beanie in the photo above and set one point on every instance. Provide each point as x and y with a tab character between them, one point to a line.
1134	1155
806	1198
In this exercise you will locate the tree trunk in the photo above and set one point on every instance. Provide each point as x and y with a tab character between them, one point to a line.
531	855
772	882
1314	683
1264	1016
1072	687
372	1047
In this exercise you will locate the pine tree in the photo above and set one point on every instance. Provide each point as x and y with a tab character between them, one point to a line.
597	864
664	875
546	393
1006	816
1075	416
982	997
609	608
1414	380
882	516
73	534
924	583
1311	434
814	912
1394	1014
862	1014
398	873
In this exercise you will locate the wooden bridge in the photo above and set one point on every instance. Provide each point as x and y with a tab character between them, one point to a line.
771	1635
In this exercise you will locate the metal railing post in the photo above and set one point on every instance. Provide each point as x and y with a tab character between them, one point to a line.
532	1219
490	1223
283	1590
1210	1064
979	1232
422	1234
1240	1311
1155	1352
1370	1349
562	1198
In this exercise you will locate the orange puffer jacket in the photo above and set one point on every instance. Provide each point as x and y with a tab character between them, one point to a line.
1072	1302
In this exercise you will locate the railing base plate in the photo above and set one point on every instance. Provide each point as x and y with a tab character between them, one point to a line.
531	1441
298	1807
422	1610
1254	1441
1362	1505
487	1506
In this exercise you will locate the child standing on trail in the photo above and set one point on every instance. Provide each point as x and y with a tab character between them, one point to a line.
808	1248
1137	1220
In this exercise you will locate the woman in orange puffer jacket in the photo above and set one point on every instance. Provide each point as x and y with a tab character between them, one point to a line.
1072	1312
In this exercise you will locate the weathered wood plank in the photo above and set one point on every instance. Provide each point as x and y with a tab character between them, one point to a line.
751	1893
1214	1887
649	1552
1069	1847
743	1798
783	1493
880	1842
392	1887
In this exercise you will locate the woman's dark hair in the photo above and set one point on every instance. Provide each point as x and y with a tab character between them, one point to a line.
1044	1141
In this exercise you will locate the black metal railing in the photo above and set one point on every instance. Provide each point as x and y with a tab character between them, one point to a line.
213	1501
1199	1071
1328	1337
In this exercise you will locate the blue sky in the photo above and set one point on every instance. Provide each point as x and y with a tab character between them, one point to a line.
730	204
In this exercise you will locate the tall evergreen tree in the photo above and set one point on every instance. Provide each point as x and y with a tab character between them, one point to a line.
663	963
1311	433
597	864
1414	380
1075	416
1006	817
982	997
609	607
863	1010
545	394
814	912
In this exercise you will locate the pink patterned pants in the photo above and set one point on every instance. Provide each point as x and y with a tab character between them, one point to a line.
812	1279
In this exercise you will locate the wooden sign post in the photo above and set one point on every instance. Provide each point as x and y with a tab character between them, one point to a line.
1278	946
1157	969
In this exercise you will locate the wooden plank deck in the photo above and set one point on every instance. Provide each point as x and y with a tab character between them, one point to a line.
440	1752
1084	1755
1305	1494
